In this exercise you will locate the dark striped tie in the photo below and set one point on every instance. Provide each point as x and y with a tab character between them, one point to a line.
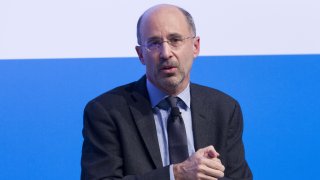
177	137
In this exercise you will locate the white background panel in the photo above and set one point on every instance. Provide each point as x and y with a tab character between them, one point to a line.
99	28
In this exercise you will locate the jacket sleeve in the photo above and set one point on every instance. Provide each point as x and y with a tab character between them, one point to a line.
101	150
236	165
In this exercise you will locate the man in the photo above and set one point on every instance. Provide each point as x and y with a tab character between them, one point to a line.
126	130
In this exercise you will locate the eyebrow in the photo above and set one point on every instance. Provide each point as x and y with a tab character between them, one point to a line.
172	35
154	38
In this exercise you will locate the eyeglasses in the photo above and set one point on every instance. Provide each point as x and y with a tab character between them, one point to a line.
154	45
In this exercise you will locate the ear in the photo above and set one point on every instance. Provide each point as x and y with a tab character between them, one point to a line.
140	54
196	46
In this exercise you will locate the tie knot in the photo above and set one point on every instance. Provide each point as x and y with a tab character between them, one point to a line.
168	102
172	100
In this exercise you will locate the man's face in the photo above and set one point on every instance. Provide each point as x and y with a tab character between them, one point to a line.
168	68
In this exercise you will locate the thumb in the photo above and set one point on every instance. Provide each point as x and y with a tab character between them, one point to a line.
210	152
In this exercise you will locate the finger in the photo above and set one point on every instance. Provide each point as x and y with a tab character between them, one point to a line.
205	177
213	172
213	163
211	152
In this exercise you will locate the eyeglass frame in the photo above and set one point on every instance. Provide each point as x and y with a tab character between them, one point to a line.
160	44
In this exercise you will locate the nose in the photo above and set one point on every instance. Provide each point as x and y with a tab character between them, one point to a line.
165	50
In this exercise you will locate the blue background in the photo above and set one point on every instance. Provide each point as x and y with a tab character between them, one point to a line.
42	101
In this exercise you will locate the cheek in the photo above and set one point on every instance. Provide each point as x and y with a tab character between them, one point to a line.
187	66
151	65
151	61
187	61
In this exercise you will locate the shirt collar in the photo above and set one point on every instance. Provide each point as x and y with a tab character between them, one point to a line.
156	95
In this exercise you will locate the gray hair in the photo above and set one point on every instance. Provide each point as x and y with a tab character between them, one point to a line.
188	16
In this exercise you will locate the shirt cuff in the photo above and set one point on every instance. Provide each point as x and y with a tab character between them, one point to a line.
171	172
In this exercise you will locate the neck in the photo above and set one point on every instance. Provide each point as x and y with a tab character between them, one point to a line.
174	90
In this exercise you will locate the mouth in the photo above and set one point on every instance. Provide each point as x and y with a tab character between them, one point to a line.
168	69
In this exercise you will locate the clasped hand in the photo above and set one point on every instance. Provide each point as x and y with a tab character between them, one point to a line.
203	164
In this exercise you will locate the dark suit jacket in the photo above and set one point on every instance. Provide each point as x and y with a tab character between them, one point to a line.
120	140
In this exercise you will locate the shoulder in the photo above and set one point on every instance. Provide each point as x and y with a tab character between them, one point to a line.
209	92
119	97
211	96
114	98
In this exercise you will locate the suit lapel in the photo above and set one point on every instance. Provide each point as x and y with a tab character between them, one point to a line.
202	123
142	113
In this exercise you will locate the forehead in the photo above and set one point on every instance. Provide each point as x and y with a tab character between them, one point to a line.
162	22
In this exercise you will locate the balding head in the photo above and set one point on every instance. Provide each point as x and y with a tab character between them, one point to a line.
168	46
163	7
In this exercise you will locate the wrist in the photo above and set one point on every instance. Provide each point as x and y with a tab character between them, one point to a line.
179	171
176	171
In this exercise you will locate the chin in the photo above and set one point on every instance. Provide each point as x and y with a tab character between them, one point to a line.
171	82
